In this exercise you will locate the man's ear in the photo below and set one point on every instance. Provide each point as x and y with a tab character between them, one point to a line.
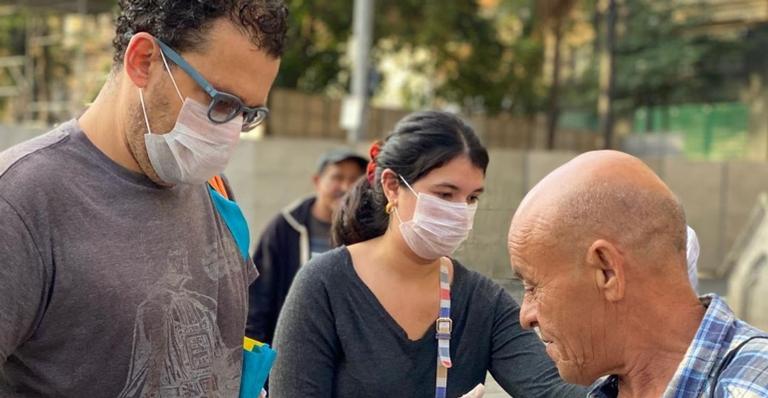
315	180
390	184
608	265
139	54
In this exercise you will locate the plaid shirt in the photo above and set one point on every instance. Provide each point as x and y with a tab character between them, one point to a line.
719	333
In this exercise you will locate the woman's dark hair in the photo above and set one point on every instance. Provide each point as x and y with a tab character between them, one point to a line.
419	143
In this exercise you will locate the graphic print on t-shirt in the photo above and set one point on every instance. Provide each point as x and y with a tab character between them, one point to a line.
178	350
217	268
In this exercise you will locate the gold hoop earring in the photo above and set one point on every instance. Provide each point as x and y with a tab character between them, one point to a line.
389	208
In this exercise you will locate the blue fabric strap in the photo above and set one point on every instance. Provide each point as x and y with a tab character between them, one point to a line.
233	217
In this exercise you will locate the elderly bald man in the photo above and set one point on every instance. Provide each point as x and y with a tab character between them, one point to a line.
600	245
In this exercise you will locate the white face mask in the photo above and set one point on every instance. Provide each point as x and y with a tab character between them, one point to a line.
438	227
692	254
196	149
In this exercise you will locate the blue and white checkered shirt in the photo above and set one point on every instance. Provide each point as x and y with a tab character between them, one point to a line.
719	333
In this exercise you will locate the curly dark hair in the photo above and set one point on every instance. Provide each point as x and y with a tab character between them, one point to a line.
183	24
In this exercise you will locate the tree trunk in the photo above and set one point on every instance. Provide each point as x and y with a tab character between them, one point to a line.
553	113
607	72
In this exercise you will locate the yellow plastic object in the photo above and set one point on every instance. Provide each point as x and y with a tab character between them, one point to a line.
249	343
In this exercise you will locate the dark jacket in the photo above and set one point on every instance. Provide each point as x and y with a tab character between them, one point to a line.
282	249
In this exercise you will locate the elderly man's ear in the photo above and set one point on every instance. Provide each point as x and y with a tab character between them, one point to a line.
607	263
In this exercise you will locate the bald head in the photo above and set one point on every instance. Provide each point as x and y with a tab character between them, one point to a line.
603	195
600	247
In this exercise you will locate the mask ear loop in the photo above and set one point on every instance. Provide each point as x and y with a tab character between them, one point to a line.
408	185
141	92
144	110
181	97
397	213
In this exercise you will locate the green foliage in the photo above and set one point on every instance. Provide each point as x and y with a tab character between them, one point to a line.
476	61
11	43
663	54
317	35
481	68
12	34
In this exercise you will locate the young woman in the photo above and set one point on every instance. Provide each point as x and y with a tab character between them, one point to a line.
390	314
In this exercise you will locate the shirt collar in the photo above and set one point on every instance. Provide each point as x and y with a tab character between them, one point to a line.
605	387
706	349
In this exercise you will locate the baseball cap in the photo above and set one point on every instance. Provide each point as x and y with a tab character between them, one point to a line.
337	155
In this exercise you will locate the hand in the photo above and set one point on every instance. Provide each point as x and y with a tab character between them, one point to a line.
477	392
263	394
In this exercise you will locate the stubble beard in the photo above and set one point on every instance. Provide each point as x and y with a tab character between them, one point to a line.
138	128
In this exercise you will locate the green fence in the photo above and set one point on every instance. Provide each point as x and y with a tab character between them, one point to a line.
710	131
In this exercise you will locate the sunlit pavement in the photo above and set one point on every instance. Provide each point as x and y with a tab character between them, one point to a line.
492	390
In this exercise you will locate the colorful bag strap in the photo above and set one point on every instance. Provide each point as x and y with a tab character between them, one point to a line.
231	214
444	327
217	183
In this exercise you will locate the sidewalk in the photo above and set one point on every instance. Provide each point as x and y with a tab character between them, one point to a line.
492	390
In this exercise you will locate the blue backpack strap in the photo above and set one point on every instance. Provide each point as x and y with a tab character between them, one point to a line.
231	214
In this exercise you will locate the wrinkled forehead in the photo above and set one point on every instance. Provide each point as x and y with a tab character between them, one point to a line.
521	241
532	243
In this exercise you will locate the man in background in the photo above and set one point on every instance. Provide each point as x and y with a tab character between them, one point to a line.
300	231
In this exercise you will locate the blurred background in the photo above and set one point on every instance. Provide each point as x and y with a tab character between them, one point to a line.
681	83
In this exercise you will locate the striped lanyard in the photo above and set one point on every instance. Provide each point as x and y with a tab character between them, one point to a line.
444	326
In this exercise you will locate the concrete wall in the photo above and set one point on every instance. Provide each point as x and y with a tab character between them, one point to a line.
718	197
748	283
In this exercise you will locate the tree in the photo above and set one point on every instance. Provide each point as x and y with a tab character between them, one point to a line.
478	64
661	54
317	39
473	60
553	15
607	56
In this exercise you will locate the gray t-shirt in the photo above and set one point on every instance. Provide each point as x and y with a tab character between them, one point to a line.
111	286
335	339
319	236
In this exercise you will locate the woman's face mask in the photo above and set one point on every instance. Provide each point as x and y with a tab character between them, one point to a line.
438	227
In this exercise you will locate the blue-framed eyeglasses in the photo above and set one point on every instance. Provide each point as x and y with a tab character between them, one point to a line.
224	106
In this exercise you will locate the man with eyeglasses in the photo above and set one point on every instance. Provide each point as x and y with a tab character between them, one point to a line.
124	266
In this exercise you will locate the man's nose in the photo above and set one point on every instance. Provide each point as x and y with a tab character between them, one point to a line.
346	185
528	315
